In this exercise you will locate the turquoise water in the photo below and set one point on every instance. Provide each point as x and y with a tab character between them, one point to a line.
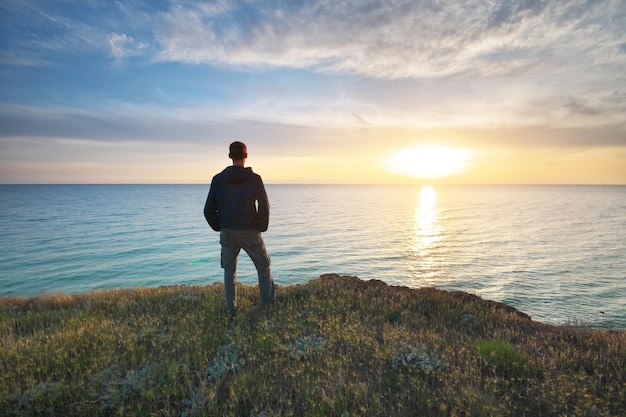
557	253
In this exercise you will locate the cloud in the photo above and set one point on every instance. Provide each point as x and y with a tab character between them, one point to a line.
128	124
378	38
37	33
564	57
208	127
12	58
391	62
124	46
186	36
395	38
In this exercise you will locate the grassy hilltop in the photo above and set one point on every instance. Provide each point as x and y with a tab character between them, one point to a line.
335	346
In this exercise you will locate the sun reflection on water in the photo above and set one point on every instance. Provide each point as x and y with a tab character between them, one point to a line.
428	231
427	227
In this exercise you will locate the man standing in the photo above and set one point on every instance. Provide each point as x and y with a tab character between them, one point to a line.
237	207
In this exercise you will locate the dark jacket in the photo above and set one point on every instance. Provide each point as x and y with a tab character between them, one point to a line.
232	201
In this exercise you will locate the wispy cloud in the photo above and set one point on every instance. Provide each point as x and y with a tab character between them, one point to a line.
124	46
529	62
31	28
391	39
380	39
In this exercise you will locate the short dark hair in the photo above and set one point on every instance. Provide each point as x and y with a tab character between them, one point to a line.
238	150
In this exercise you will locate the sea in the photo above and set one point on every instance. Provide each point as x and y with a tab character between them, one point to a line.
554	252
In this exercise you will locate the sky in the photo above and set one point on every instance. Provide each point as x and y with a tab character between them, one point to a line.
321	91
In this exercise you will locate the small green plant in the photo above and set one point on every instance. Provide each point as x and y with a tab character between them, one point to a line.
505	359
394	317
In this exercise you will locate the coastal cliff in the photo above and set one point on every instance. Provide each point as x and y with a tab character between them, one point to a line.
333	346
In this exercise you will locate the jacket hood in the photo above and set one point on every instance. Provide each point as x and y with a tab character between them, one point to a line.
237	175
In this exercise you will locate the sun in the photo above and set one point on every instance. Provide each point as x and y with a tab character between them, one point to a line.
429	161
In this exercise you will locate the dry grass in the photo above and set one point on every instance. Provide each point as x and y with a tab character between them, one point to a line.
335	346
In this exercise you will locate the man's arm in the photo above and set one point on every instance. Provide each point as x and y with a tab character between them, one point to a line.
263	207
211	213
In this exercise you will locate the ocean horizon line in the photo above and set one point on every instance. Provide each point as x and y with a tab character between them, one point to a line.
432	184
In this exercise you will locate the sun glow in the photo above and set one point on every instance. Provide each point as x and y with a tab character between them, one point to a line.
429	161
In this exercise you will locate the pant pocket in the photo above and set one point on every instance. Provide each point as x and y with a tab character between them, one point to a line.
225	237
